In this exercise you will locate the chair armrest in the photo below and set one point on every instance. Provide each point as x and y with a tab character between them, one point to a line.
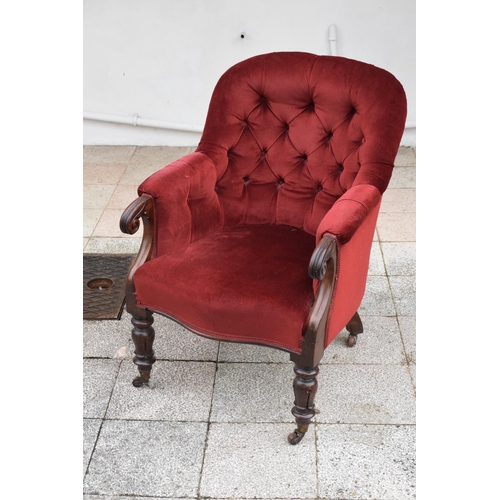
141	208
323	252
322	269
186	206
351	221
348	212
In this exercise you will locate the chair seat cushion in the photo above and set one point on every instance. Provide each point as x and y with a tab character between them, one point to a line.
245	284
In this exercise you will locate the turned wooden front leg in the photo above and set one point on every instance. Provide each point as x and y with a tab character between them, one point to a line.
143	336
305	386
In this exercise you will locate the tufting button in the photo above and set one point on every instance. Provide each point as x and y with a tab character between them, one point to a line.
246	179
341	168
304	157
329	136
286	127
280	182
320	188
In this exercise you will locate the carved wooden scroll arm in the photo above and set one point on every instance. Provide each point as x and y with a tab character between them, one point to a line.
325	250
322	267
130	221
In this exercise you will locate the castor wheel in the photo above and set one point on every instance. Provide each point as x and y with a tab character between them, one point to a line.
138	381
351	341
295	437
142	379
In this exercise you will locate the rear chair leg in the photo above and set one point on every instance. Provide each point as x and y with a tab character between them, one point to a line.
143	336
354	327
305	386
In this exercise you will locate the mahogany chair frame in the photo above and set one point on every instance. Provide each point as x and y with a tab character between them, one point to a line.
322	267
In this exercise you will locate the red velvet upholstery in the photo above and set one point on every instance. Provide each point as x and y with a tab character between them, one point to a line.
291	140
264	289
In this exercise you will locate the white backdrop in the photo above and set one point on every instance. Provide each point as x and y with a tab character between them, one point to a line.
160	59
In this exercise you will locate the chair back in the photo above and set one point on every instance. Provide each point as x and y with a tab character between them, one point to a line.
290	132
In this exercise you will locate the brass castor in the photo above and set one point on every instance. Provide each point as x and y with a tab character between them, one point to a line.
138	381
295	437
351	341
141	380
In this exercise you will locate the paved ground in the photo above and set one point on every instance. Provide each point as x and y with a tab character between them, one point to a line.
192	434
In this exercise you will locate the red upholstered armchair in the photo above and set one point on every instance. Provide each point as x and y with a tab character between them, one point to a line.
263	234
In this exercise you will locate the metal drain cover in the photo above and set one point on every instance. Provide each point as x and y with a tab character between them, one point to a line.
104	277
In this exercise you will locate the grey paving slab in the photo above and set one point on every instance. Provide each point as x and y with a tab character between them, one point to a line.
256	461
406	157
135	174
174	342
232	351
97	196
103	173
107	339
252	392
376	266
365	394
247	454
103	338
133	497
380	343
162	155
404	293
398	200
91	428
147	160
145	458
403	177
407	325
122	197
91	217
99	377
104	244
399	226
413	374
400	258
177	390
107	154
377	300
366	462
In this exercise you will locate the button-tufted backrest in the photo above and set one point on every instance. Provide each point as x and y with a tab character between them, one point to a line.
290	132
